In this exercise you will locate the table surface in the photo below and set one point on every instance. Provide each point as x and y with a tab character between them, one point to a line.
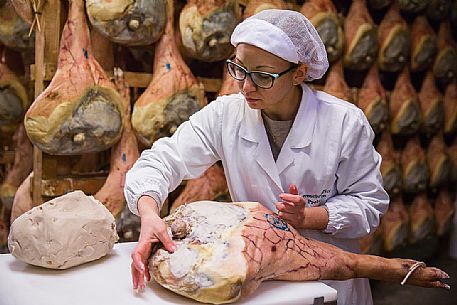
108	281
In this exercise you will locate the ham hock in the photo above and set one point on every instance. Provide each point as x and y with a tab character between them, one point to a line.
225	250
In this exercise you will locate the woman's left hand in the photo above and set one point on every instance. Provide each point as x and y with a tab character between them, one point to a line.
292	208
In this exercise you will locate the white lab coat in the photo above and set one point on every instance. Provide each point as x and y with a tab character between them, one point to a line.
328	154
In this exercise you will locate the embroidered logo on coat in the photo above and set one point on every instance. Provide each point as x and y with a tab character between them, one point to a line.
276	222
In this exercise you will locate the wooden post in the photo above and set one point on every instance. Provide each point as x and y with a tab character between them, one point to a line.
46	53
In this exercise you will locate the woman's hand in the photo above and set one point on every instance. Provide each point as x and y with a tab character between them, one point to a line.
292	208
153	230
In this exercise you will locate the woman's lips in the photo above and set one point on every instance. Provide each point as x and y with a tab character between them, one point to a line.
251	100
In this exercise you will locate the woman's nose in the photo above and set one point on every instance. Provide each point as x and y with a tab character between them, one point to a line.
248	85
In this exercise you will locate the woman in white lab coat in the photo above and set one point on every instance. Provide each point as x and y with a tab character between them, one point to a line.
302	153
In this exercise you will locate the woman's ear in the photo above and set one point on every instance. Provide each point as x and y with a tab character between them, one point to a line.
300	74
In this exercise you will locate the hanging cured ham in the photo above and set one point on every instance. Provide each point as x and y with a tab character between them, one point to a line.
450	110
390	170
80	111
229	84
413	6
372	243
14	31
405	114
23	163
226	250
323	15
414	167
173	94
13	97
23	201
372	100
444	210
422	220
395	225
335	83
123	156
24	9
361	44
394	41
438	162
438	9
256	6
209	186
432	107
206	27
445	66
128	22
423	44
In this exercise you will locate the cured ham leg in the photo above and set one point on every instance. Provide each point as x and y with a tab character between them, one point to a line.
390	170
13	97
123	156
413	6
444	210
335	83
206	27
23	199
323	15
405	112
432	107
372	100
209	186
438	162
452	153
438	9
14	32
395	225
80	111
394	41
226	250
450	110
127	22
256	6
173	95
24	9
23	163
361	40
414	166
423	44
445	66
422	221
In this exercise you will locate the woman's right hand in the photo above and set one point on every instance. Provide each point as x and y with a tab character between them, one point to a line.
153	230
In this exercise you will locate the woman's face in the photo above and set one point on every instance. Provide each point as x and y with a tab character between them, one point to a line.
276	99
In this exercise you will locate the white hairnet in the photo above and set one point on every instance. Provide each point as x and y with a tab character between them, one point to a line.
286	34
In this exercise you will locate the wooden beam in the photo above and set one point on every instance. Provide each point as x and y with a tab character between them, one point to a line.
61	186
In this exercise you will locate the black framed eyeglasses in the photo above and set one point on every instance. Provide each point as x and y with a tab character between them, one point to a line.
261	79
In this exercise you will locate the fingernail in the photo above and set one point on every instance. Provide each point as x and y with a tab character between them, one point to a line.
446	276
446	286
173	248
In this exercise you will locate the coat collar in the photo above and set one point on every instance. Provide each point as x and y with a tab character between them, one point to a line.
302	130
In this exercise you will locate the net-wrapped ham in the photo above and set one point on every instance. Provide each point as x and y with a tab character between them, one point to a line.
173	95
361	44
323	15
128	22
226	250
423	44
394	41
80	111
206	27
